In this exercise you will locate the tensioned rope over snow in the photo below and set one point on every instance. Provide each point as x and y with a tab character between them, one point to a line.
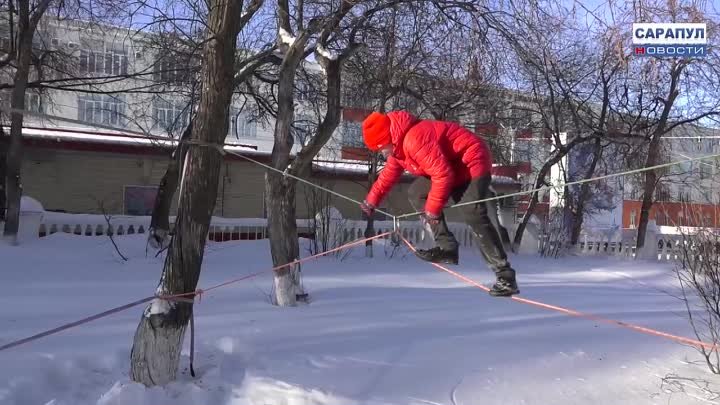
572	312
197	293
571	183
185	297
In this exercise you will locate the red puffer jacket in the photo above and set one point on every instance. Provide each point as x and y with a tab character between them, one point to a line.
447	153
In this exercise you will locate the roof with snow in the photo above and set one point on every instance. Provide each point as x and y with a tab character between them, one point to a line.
79	134
89	135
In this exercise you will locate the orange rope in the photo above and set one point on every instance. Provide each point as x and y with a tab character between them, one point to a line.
572	312
176	297
251	275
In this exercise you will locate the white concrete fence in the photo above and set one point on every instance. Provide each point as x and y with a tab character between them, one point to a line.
226	229
662	243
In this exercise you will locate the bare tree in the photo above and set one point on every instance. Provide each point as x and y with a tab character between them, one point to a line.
23	18
661	95
578	205
54	68
606	93
333	30
548	64
699	280
159	336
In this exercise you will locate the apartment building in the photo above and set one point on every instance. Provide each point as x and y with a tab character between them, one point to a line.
87	148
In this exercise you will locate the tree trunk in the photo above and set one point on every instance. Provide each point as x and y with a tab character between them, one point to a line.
280	190
159	231
653	157
159	336
280	195
651	179
4	141
579	215
282	231
540	182
13	181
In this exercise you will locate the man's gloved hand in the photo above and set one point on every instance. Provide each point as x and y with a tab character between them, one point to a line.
430	219
367	208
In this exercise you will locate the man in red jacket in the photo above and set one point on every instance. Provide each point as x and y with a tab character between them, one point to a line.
451	162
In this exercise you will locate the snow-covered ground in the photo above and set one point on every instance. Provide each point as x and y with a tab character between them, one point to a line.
378	331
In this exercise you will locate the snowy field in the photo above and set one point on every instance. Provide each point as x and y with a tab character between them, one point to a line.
378	331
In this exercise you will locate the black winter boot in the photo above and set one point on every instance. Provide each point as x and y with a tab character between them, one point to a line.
504	287
438	255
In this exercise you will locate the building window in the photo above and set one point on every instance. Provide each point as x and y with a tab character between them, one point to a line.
33	102
168	70
633	218
241	125
108	62
356	96
662	193
686	167
660	217
632	193
352	135
139	200
683	196
303	129
102	109
171	116
705	170
520	118
405	102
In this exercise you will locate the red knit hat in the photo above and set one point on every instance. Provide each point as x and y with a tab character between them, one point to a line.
376	131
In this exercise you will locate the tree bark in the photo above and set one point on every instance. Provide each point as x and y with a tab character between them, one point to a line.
4	141
282	232
653	157
280	195
159	336
280	190
651	179
159	231
27	25
584	195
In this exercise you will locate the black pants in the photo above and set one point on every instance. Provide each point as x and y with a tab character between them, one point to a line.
476	217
